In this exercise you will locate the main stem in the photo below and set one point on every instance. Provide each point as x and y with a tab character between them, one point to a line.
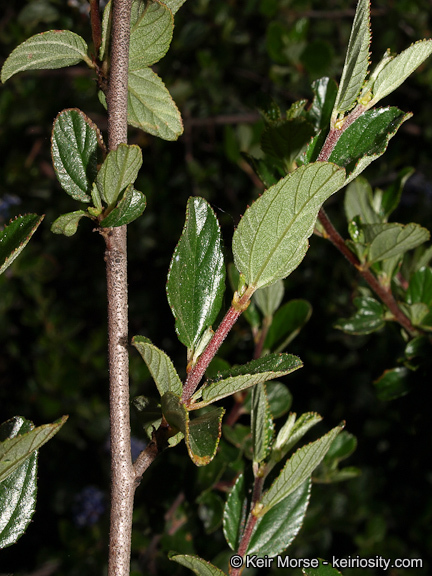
122	471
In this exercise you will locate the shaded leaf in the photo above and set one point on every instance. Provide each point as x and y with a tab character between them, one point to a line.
287	323
199	566
389	240
67	224
160	366
130	207
174	5
15	236
391	195
324	569
292	432
359	202
261	423
272	237
368	318
48	50
279	398
74	145
234	516
268	299
119	169
196	279
325	91
342	447
420	287
392	384
285	141
210	510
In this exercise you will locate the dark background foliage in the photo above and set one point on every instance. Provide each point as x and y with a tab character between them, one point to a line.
225	56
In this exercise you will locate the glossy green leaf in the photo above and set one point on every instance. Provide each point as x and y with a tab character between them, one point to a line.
297	470
196	278
119	169
67	224
160	366
236	379
14	450
15	236
272	237
392	384
268	299
151	33
287	323
18	490
420	287
367	139
261	423
130	207
286	141
359	202
150	106
292	432
394	70
324	569
74	146
275	531
48	50
368	318
325	91
199	566
356	60
393	239
234	517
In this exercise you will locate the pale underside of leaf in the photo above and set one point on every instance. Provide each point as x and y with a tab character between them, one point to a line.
161	368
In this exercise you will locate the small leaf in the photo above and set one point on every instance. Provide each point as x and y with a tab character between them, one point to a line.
319	114
296	471
150	106
174	5
234	517
356	60
391	195
48	50
275	531
67	224
279	398
236	379
130	207
15	450
342	447
272	237
196	279
268	299
160	366
261	424
119	170
286	141
74	145
151	33
199	566
420	287
292	432
18	490
287	323
149	413
368	318
392	384
393	239
359	202
15	236
324	569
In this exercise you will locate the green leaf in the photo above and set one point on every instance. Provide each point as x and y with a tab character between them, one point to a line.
160	366
342	447
359	202
236	379
279	398
53	49
15	236
392	384
272	237
367	139
292	432
74	146
324	569
392	71
150	106
356	60
287	323
18	490
234	516
268	299
420	287
286	141
196	278
152	27
391	195
275	531
174	5
67	224
15	450
368	318
297	470
149	413
319	114
393	239
120	168
199	566
130	207
261	423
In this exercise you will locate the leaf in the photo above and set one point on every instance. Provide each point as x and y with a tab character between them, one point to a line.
234	516
18	490
196	278
15	236
391	195
150	106
392	384
67	224
291	432
198	565
368	318
420	287
356	60
390	240
272	237
367	139
319	114
15	450
174	5
275	531
268	299
74	145
324	569
152	27
236	379
296	471
48	50
120	168
130	207
286	141
160	366
210	510
395	70
287	323
359	202
342	447
261	424
279	398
